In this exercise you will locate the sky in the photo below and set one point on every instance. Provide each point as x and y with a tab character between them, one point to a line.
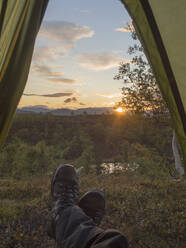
77	53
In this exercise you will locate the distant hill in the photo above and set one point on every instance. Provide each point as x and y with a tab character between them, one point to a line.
38	109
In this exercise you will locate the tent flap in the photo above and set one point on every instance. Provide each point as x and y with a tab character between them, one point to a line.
159	27
19	25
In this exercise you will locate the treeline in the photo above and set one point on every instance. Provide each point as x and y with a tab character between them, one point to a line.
36	144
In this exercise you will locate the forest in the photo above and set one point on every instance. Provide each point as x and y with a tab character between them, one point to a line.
38	143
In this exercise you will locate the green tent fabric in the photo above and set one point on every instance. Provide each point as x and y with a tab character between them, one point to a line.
19	24
160	27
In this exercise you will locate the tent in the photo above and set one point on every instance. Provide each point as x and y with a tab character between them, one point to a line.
159	25
20	21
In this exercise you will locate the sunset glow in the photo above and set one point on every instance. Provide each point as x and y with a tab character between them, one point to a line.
119	110
77	53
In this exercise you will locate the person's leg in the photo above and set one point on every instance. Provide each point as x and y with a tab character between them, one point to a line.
75	229
108	239
71	227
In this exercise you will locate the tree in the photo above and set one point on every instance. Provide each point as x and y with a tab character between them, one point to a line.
140	93
73	150
87	159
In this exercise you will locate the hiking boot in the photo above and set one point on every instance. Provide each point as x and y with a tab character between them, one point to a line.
93	204
64	186
64	191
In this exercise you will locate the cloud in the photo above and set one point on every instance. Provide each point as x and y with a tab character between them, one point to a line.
128	28
50	74
45	70
64	33
52	95
73	100
36	108
61	37
111	103
99	61
84	11
110	96
43	53
62	80
122	29
70	100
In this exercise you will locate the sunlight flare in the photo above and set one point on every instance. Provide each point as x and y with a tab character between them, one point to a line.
119	110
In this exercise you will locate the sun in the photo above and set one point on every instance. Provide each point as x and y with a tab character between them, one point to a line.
119	110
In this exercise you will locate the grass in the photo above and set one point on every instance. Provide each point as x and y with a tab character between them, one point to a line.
150	213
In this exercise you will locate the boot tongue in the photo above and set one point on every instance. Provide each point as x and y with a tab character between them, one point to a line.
68	175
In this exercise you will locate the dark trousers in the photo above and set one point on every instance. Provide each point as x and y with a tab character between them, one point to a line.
74	229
